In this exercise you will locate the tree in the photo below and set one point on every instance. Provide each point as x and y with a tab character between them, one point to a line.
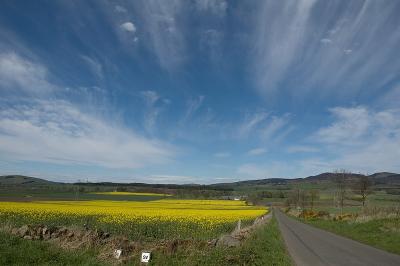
292	199
340	179
303	198
314	195
362	187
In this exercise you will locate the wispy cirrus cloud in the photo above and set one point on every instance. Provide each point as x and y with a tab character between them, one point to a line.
318	48
193	105
58	132
217	7
251	123
94	65
361	139
163	30
21	74
256	151
223	154
302	149
264	125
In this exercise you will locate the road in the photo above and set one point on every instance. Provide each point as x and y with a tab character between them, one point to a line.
311	246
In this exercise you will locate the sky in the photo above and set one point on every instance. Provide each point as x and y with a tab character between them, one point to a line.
198	91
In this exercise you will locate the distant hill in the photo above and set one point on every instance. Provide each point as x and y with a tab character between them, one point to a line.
386	178
20	180
330	176
377	178
267	181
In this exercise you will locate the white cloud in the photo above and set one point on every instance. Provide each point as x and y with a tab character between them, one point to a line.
350	124
280	32
152	110
391	98
289	59
217	7
261	171
274	126
267	127
129	26
163	30
120	9
58	132
17	73
300	148
256	151
222	154
95	66
151	97
326	41
173	179
192	106
360	139
251	122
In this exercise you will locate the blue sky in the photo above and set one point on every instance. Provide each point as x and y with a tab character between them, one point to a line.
198	91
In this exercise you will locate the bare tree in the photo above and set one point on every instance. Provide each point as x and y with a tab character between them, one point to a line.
303	198
314	195
340	180
362	187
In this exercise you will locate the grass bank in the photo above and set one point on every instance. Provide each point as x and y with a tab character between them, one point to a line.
380	233
17	251
264	247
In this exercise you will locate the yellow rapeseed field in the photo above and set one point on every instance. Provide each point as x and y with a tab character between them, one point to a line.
194	214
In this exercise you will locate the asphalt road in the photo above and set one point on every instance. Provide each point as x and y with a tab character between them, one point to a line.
311	246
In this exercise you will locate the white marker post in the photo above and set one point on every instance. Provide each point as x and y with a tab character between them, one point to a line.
145	257
117	253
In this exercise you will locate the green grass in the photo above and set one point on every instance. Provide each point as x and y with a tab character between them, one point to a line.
264	247
17	251
380	233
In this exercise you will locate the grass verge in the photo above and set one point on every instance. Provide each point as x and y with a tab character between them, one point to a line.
380	233
264	247
17	251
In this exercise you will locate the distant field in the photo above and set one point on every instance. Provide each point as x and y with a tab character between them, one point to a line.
117	193
49	195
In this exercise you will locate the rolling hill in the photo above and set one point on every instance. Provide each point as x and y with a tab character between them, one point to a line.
20	180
